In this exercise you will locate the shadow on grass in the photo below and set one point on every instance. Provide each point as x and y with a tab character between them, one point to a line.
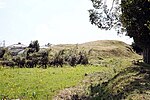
132	80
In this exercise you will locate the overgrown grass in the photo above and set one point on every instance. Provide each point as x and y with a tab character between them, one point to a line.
42	84
109	58
91	87
131	82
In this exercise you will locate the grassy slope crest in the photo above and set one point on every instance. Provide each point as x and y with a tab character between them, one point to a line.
122	80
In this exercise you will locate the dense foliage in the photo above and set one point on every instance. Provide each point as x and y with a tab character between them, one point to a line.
136	48
2	52
44	57
34	45
131	16
136	20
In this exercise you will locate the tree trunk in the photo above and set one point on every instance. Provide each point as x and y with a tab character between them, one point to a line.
146	55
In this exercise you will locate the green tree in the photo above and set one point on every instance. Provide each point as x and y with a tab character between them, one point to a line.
35	45
2	52
130	16
136	48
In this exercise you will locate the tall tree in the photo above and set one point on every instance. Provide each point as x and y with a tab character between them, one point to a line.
2	52
130	16
35	45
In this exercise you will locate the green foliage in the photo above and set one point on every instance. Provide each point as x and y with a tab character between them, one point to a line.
2	52
131	16
7	55
136	48
88	53
35	45
105	17
135	18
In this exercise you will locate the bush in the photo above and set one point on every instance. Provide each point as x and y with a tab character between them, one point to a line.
35	45
2	52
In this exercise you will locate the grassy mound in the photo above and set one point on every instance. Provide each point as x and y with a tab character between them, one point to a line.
120	81
101	49
105	79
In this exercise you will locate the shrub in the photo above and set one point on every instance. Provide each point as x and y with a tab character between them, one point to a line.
2	52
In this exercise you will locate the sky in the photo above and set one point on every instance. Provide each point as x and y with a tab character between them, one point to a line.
50	21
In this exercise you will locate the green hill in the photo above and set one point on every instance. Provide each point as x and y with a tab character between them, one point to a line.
104	48
109	76
122	81
101	49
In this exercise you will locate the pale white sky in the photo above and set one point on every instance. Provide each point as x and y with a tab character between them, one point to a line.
50	21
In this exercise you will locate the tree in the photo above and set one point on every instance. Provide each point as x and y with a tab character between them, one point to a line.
2	52
35	45
136	48
130	16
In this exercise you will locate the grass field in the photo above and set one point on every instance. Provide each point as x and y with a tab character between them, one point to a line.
40	83
125	82
44	84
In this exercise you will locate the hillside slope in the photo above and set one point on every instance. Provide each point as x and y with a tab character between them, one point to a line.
101	49
104	48
130	83
122	81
